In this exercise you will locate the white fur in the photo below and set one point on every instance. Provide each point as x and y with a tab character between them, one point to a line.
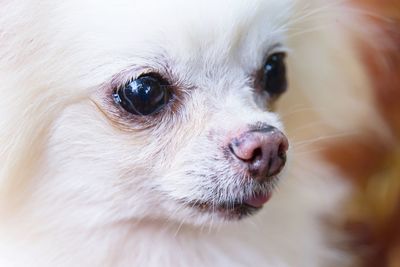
80	186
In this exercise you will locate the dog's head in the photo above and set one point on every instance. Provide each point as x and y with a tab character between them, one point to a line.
166	107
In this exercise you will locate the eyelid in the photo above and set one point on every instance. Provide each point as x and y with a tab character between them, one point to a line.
276	48
157	75
279	49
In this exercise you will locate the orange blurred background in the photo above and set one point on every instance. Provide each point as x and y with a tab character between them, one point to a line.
373	162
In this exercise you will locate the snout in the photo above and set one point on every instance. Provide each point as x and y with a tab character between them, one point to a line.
262	151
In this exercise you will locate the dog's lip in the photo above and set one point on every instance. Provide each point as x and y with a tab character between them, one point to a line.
258	200
236	209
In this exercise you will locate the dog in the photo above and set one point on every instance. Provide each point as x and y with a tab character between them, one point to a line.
150	133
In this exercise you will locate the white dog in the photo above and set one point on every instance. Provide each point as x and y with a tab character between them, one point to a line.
141	133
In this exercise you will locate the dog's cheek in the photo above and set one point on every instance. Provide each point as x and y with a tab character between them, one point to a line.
91	165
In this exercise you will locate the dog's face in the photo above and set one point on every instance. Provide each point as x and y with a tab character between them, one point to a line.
169	108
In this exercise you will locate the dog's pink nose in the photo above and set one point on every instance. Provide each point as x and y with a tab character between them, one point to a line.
263	151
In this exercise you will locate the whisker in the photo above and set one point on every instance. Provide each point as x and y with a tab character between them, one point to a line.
312	151
179	228
305	126
323	138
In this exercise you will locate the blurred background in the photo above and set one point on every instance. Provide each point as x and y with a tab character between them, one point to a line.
372	161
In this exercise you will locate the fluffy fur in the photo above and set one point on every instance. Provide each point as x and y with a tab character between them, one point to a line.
83	185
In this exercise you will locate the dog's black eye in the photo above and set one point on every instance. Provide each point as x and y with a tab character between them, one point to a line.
274	75
145	95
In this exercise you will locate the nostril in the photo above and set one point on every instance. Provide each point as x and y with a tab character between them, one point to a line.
283	147
247	149
282	151
257	154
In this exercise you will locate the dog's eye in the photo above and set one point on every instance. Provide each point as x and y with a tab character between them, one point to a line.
274	75
145	95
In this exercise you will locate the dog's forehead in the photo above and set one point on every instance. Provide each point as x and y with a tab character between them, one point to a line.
183	29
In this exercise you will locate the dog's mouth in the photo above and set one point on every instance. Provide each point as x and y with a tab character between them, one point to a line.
232	210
